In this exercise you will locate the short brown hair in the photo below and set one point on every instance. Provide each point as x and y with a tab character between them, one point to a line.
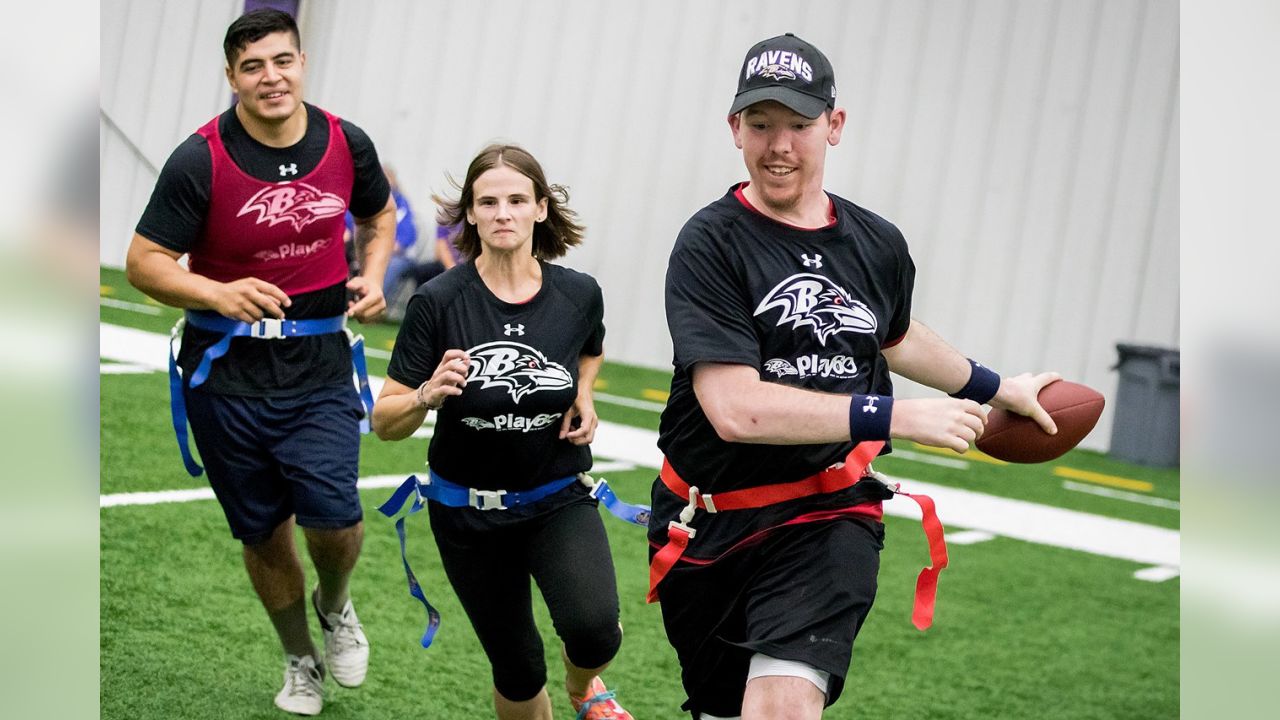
255	25
552	237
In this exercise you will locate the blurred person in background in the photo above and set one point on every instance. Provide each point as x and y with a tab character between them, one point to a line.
407	270
402	261
255	199
447	235
506	349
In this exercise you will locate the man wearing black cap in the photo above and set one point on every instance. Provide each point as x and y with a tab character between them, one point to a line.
787	307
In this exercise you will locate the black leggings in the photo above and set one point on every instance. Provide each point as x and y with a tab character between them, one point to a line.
567	553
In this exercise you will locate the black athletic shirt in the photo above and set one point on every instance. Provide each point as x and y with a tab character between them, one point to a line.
502	432
808	308
176	213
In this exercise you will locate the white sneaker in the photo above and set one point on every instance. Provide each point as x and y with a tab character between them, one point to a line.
303	691
346	649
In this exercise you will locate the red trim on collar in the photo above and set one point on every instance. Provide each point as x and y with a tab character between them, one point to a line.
742	198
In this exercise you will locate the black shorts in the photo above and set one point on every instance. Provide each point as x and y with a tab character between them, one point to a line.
559	543
801	594
269	458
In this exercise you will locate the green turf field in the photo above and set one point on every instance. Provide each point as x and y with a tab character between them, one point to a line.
1022	630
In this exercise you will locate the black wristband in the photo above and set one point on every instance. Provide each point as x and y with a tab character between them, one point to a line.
983	384
869	417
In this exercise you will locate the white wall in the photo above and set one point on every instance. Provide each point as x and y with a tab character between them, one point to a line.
1026	148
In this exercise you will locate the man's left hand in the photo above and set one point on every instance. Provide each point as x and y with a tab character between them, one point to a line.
367	305
1020	394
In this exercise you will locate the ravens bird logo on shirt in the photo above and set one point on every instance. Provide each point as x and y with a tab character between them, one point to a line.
297	203
518	368
780	367
814	301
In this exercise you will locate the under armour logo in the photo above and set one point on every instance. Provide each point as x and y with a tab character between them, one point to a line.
290	169
870	407
813	262
509	330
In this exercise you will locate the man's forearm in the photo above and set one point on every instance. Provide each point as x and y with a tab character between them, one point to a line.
924	357
375	240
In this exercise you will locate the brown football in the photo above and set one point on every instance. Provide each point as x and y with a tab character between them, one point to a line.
1075	409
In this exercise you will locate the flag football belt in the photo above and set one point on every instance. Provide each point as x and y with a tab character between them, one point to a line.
267	329
437	489
838	477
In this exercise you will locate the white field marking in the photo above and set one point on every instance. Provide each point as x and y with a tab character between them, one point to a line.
126	305
375	352
611	466
629	402
1016	519
1022	520
1122	495
968	537
155	498
1157	573
124	369
946	462
177	496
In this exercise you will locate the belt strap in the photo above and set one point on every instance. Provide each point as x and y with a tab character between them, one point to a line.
453	495
833	479
927	581
391	508
600	490
267	329
680	532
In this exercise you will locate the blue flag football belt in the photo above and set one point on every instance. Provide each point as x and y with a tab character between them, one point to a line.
437	489
268	329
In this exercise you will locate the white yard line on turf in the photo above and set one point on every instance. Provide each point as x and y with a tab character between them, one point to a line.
124	369
969	537
630	402
177	496
1121	495
1157	573
928	459
131	306
957	508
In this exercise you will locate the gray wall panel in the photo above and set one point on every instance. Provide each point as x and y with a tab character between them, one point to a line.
1026	148
162	77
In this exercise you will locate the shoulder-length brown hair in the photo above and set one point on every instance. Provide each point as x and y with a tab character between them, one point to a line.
552	237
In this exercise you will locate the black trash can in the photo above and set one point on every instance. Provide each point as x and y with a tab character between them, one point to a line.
1146	424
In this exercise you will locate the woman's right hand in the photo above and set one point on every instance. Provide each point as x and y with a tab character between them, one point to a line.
449	379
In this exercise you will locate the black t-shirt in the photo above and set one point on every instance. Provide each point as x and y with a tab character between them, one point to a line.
502	432
807	308
176	214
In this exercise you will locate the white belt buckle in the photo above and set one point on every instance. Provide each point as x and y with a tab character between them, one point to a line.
267	329
883	479
486	499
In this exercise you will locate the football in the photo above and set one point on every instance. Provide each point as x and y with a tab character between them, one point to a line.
1014	438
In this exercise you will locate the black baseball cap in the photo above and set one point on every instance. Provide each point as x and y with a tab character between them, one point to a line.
790	71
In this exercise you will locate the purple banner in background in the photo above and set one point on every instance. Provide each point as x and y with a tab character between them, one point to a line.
289	6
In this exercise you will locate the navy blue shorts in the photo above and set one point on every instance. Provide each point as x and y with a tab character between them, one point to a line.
269	458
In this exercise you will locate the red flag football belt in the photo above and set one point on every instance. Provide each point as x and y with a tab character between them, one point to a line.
833	479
